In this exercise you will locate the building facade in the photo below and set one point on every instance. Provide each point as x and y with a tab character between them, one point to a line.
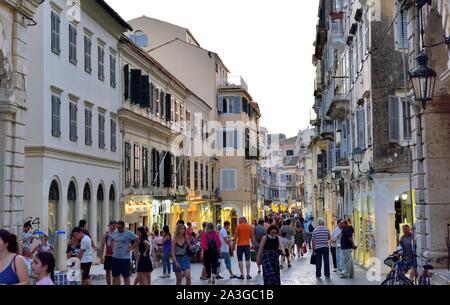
363	130
73	148
15	19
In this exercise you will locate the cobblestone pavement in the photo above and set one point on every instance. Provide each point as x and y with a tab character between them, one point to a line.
301	273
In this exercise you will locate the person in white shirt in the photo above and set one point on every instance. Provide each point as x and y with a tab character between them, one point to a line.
225	248
85	254
336	247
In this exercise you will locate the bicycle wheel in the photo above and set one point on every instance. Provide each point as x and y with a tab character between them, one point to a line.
401	281
424	281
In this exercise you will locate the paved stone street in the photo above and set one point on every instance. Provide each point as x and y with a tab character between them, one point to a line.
301	273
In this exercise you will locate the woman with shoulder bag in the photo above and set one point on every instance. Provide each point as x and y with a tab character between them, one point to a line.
13	266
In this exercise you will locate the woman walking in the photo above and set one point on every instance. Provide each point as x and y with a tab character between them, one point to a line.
45	246
167	249
13	266
210	252
268	255
144	265
299	238
180	255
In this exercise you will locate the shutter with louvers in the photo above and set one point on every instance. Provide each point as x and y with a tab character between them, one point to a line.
402	30
235	136
224	139
145	91
361	128
168	106
237	104
151	98
319	166
168	170
220	104
54	131
393	105
135	86
126	77
58	116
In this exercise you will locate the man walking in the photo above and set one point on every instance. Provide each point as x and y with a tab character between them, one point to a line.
243	237
347	246
309	228
123	242
258	234
106	256
225	248
321	243
85	254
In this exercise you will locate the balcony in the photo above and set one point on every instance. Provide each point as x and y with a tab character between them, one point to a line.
342	165
339	100
236	81
327	130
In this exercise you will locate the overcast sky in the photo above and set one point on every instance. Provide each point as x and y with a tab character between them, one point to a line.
269	43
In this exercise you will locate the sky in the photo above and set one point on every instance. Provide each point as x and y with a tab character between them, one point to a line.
269	43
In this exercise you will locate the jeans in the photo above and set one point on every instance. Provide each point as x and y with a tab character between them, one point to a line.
308	239
333	255
325	254
348	262
339	259
166	263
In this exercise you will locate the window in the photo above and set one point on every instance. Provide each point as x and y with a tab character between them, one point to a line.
201	176
56	22
127	165
101	63
229	105
101	130
188	174
56	116
73	122
113	136
290	153
137	165
72	44
172	109
112	70
155	168
141	39
207	178
361	128
157	103
88	126
196	175
228	179
144	167
402	29
399	125
230	139
367	30
182	112
87	54
369	122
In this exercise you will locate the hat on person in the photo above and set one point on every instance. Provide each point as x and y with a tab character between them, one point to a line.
112	222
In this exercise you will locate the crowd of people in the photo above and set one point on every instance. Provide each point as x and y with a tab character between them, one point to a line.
272	243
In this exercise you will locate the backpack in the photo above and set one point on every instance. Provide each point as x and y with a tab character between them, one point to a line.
310	227
212	246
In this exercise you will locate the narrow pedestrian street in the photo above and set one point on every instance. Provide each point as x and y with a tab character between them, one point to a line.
301	273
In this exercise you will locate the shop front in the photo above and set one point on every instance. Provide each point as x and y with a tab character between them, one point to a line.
137	211
199	212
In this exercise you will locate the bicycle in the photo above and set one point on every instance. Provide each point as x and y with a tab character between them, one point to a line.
424	278
399	267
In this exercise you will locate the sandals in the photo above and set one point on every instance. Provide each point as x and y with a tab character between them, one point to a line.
249	277
241	277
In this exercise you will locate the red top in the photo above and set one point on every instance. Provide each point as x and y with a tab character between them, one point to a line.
211	236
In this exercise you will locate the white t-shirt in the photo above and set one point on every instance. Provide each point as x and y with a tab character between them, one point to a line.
85	245
224	248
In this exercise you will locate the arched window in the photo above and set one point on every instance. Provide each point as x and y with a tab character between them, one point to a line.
87	203
53	209
71	206
112	202
100	199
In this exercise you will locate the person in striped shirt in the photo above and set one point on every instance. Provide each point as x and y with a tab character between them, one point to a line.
321	245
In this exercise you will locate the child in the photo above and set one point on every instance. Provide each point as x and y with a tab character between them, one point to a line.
26	253
43	268
285	243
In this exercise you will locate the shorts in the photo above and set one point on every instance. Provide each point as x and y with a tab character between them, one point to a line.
241	250
108	263
226	259
85	270
121	267
184	263
286	252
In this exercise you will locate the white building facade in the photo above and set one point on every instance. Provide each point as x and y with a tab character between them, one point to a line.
73	145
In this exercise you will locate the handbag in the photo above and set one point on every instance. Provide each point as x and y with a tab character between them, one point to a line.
253	255
305	249
313	259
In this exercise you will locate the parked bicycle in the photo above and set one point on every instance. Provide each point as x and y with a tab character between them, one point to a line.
399	268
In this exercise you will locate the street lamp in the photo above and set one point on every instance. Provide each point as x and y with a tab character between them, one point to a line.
357	158
423	79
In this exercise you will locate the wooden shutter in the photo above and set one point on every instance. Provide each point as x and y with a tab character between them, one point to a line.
54	129
151	98
145	91
237	104
58	116
361	128
235	137
168	106
402	29
220	104
394	119
126	78
135	86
